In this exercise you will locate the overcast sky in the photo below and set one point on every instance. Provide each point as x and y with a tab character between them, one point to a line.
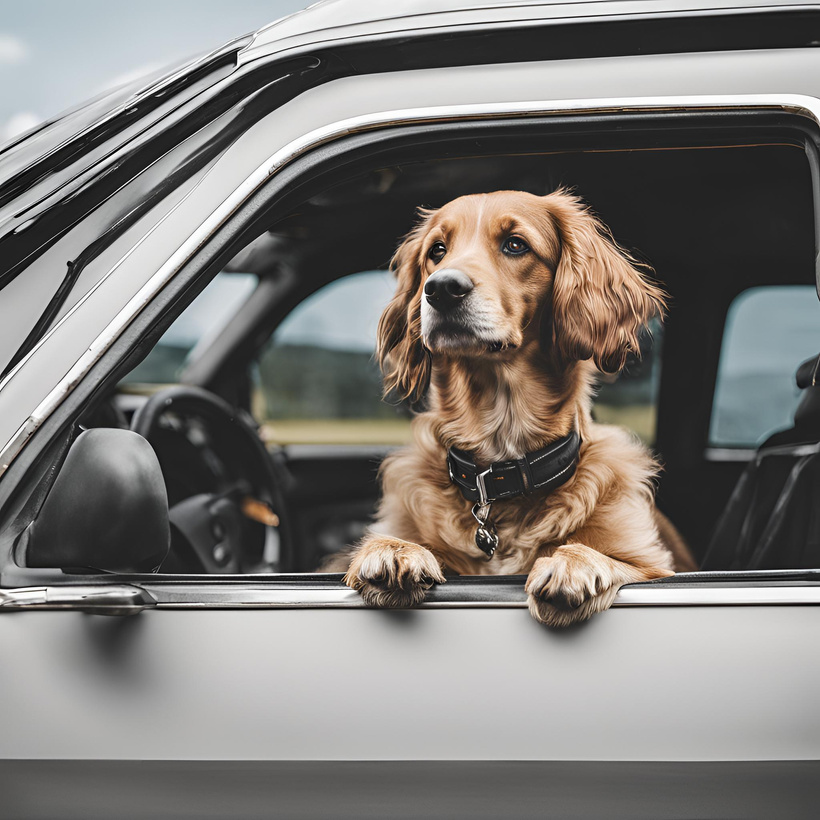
57	53
342	316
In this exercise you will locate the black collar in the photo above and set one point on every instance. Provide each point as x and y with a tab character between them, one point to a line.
541	471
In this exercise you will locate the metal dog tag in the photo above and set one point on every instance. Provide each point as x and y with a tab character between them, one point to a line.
486	540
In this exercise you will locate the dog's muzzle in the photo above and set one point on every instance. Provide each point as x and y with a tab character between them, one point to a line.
445	289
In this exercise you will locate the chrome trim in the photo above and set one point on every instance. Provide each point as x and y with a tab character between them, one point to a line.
127	599
258	596
108	599
799	104
17	442
721	596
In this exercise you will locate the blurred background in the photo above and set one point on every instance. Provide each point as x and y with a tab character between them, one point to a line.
55	54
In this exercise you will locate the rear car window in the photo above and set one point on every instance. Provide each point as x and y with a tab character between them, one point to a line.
768	332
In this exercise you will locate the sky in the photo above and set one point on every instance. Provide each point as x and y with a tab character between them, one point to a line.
55	54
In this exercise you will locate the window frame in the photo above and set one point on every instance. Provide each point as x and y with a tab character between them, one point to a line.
281	178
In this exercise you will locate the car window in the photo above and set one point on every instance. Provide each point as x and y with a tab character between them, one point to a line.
768	332
202	321
630	398
317	380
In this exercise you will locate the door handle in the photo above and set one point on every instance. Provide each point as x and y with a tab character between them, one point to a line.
102	599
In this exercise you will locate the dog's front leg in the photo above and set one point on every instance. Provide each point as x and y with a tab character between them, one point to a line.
389	572
576	581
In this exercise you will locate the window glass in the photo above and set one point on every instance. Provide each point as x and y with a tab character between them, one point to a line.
630	398
317	381
201	322
769	332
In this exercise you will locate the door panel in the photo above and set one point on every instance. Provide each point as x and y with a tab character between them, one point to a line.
645	711
642	683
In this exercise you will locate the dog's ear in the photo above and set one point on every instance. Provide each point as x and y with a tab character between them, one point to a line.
600	297
404	360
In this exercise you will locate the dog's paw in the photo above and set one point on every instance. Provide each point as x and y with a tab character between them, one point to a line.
388	572
571	585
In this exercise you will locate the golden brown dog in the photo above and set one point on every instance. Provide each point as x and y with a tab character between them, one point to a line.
507	306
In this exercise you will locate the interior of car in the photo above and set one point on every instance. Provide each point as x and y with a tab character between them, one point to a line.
263	404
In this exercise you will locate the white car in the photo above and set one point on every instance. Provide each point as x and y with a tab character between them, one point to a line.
193	265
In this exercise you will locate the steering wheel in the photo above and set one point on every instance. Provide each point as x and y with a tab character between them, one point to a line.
229	527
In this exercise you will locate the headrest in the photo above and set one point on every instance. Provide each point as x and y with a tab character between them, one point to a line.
808	374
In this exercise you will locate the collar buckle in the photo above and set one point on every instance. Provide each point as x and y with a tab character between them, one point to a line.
481	486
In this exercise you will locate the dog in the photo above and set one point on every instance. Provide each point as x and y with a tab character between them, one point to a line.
508	304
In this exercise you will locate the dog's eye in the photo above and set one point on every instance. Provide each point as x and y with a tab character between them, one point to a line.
437	252
514	246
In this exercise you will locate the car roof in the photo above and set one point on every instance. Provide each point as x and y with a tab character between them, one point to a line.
340	19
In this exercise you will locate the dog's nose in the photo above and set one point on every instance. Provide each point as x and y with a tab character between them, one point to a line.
446	288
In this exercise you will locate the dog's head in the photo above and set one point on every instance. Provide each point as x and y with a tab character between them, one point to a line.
489	274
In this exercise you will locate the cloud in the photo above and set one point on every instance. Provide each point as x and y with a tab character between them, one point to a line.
12	50
18	123
143	71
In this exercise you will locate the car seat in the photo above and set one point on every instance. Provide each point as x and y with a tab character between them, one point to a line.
772	519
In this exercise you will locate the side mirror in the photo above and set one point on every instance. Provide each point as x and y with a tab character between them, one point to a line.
107	510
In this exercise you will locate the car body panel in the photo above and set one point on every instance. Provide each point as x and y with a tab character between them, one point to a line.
402	790
448	683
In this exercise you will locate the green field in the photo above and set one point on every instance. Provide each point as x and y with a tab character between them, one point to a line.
336	431
640	418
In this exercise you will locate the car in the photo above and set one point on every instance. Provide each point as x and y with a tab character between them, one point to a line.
194	265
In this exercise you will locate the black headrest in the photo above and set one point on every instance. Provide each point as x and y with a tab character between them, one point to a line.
807	373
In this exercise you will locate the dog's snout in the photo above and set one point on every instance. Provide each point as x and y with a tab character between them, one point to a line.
446	288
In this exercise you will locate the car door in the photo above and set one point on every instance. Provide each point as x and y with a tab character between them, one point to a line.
686	699
245	696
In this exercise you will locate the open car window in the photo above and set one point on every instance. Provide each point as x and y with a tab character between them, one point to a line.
307	373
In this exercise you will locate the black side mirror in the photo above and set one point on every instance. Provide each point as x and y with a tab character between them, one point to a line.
107	510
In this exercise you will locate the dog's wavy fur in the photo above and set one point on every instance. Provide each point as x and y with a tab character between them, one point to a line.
571	306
